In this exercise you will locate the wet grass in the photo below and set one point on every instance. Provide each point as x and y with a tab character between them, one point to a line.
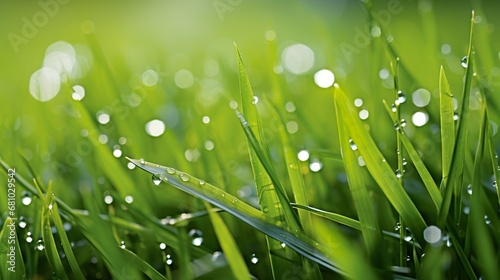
247	181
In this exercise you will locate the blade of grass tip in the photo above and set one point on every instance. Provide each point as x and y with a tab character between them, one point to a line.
447	123
378	167
422	170
50	247
296	240
370	229
228	245
453	186
10	252
477	232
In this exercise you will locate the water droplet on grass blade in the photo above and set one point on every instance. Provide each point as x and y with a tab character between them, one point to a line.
399	174
122	245
170	170
156	179
39	245
201	183
401	97
265	209
184	177
393	108
141	161
464	62
255	100
254	259
432	234
353	145
196	236
163	246
108	199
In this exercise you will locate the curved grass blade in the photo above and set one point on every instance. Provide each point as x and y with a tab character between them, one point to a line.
229	246
246	213
11	268
144	266
493	156
378	166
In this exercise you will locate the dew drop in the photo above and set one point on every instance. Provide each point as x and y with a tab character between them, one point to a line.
464	62
156	179
201	183
455	116
22	224
254	259
397	227
122	245
39	245
487	220
218	259
170	170
184	177
26	200
399	174
408	258
196	237
255	100
142	161
283	245
129	199
108	199
393	108
469	189
353	145
432	234
169	260
401	97
303	155
265	209
163	246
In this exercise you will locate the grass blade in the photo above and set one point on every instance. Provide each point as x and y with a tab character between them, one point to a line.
362	202
378	166
422	170
447	123
453	186
229	246
246	213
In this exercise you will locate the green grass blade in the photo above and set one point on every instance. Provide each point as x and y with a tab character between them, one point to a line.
246	213
477	232
12	268
378	167
493	155
447	123
144	266
453	186
341	219
422	170
362	202
68	250
229	246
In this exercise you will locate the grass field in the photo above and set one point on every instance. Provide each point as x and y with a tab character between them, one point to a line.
249	140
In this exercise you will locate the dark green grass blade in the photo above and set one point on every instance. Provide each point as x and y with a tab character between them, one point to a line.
246	213
378	166
447	123
144	266
453	186
422	170
15	270
229	246
493	155
372	236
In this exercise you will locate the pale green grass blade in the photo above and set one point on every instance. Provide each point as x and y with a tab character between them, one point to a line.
422	170
362	202
246	213
12	260
49	243
229	246
378	167
453	186
447	123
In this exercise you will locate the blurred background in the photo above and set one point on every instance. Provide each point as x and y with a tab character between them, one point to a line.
85	83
